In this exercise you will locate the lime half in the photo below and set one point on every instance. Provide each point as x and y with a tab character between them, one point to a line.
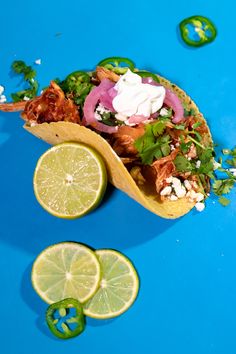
66	270
70	180
118	288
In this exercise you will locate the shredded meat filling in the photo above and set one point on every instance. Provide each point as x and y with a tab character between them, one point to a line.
51	106
103	73
124	139
164	168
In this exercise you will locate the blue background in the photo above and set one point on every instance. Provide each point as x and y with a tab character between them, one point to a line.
187	299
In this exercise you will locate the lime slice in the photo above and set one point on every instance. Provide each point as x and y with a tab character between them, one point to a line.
66	270
118	288
70	180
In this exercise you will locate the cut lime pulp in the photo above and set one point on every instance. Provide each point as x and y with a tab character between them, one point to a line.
70	180
66	270
118	288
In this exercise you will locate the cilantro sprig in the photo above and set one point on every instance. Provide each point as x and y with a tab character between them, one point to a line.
232	160
222	186
153	144
19	67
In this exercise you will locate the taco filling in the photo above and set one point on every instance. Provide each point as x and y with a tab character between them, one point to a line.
163	141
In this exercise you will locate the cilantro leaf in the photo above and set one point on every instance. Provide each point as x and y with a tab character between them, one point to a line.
19	67
148	154
207	162
145	140
224	201
206	155
231	162
165	149
153	144
158	128
182	164
184	147
222	186
155	150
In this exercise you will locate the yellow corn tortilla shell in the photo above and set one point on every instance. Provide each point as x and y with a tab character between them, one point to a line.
55	133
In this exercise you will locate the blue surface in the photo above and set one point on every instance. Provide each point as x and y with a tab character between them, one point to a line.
187	300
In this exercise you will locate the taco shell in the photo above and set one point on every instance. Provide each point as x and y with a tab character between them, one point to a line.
58	132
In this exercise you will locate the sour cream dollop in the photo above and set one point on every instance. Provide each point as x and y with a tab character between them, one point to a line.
135	98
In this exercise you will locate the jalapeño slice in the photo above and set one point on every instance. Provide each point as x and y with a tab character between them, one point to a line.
61	323
204	31
117	64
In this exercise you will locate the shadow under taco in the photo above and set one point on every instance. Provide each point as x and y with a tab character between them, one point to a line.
156	144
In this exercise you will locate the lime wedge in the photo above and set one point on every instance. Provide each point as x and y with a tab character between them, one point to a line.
66	270
70	180
118	288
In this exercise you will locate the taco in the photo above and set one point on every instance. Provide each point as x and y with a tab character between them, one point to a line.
156	144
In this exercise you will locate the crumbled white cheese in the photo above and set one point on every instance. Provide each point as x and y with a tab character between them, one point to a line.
3	99
166	191
173	197
191	195
179	189
172	147
200	206
233	171
198	164
195	196
199	197
164	112
189	158
99	111
187	185
97	116
2	88
26	98
169	179
175	181
38	61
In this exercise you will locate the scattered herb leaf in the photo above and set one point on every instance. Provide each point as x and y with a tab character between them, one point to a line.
231	162
229	152
224	201
222	186
29	74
